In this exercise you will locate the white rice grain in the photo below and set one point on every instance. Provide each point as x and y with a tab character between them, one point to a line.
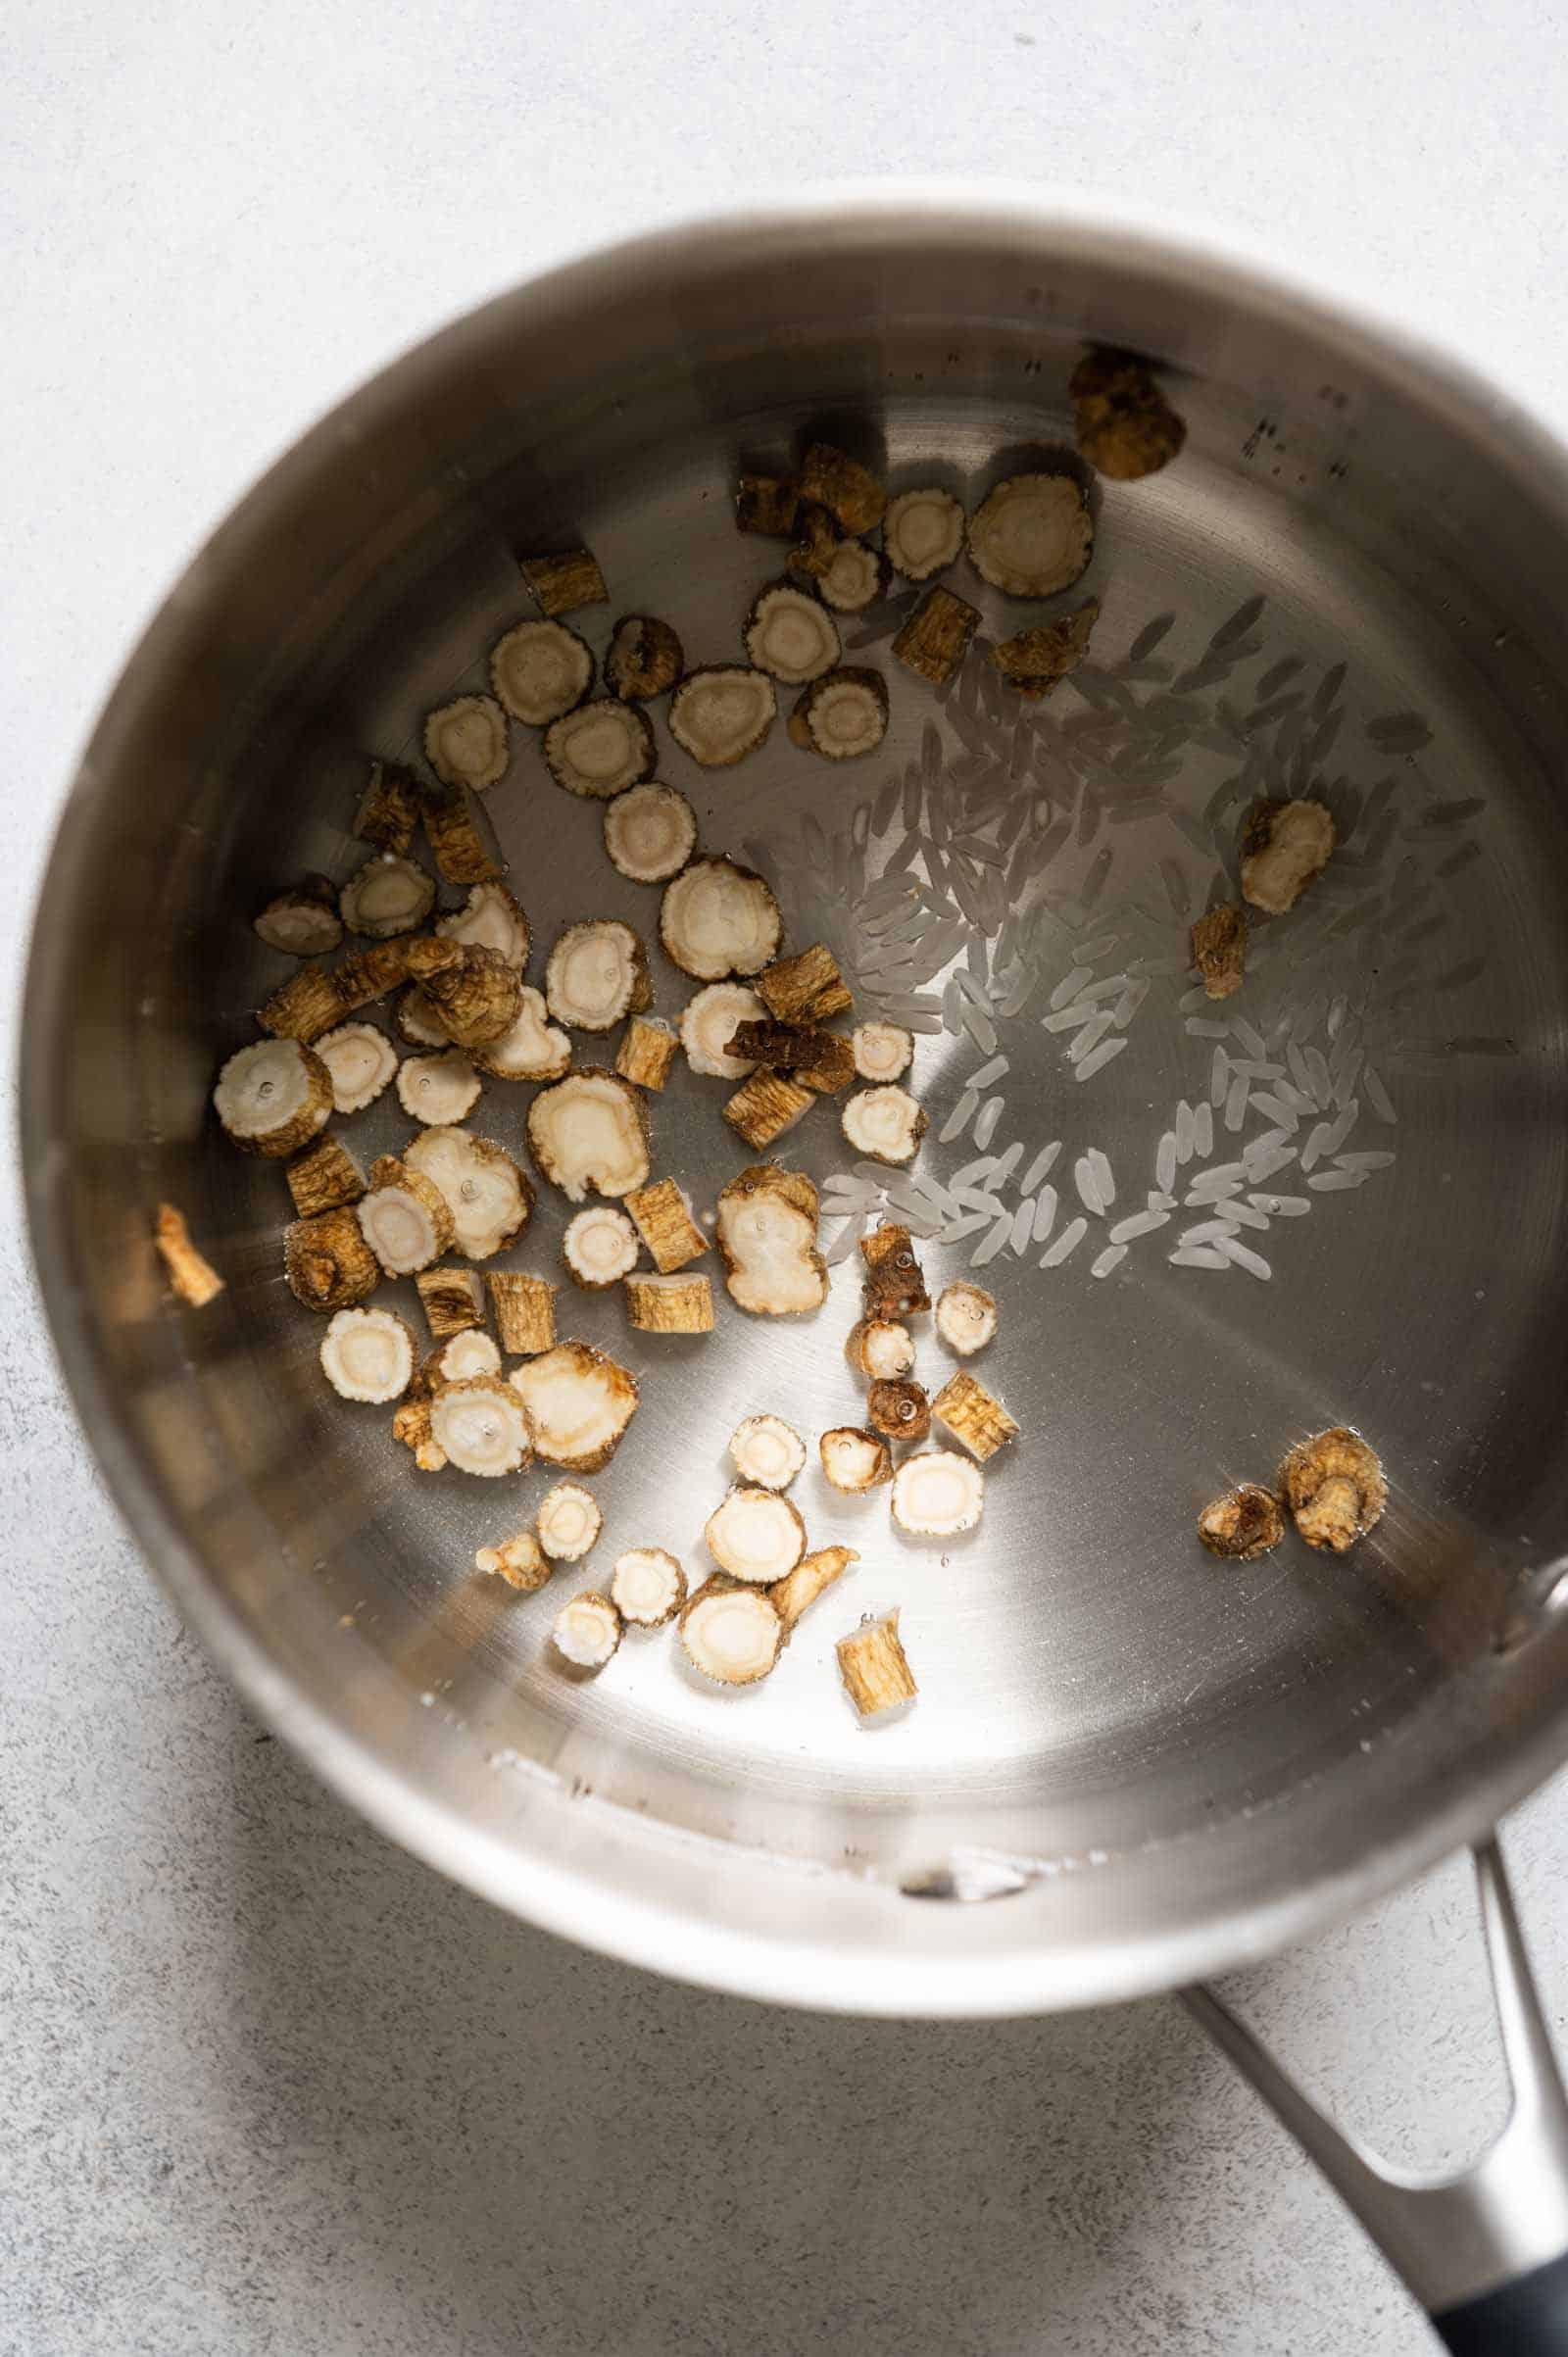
1346	1073
1069	986
1203	1132
1282	1207
1023	1228
958	1120
1250	1037
1377	1096
988	1073
1334	1182
1197	1255
1317	1064
1184	1132
1235	1102
1316	1145
1005	1164
1243	1256
1248	1214
1165	1162
1084	1178
844	1241
985	1129
1104	1177
1043	1161
994	1243
1219	1077
1142	1223
1068	1018
1364	1161
980	1028
1196	1028
1044	1214
1341	1128
1281	1110
1207	1231
1269	1165
1090	1037
1071	1237
1111	1258
961	1230
1102	1056
1159	1199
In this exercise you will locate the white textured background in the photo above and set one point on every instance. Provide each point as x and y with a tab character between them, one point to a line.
269	2085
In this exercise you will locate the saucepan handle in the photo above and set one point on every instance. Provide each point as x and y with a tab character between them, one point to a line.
1486	2253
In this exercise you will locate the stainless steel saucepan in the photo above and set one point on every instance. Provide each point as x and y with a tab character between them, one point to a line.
1130	1767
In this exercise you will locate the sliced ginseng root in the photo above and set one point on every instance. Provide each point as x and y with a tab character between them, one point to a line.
452	1299
568	1522
477	995
644	658
1033	535
754	1534
804	989
361	1060
597	974
874	1667
540	671
881	1052
937	1494
709	1024
480	1426
324	1178
647	1587
466	742
589	1134
524	1311
451	829
718	920
1036	661
1219	949
418	1021
767	1240
312	1001
973	1416
1242	1523
1335	1488
1126	427
843	714
899	1409
518	1560
273	1097
579	1402
821	1060
885	1123
437	1091
387	896
882	1348
766	1451
1286	844
564	584
814	1575
531	1049
893	1284
664	1222
650	833
850	493
722	712
191	1276
327	1262
676	1304
792	636
765	1106
731	1634
470	1353
646	1053
599	750
967	1317
936	638
389	808
404	1218
303	921
598	1247
367	1354
587	1631
489	1201
922	532
855	1460
766	504
490	918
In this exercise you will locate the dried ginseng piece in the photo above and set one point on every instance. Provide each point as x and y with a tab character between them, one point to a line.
899	1408
1034	535
524	1311
673	1304
191	1276
477	995
314	999
367	1354
766	504
731	1634
490	918
1242	1523
843	714
598	1247
766	1236
814	1575
599	750
418	1021
327	1262
646	1053
819	1060
301	922
579	1403
791	635
589	1134
881	1052
973	1416
766	1451
804	989
568	1522
1219	949
438	1091
1335	1488
718	920
467	742
1286	844
922	532
530	1049
481	1427
665	1225
855	1460
518	1560
453	1300
451	829
754	1534
324	1178
875	1668
596	975
361	1061
644	658
540	671
561	584
386	896
587	1631
885	1123
936	638
1126	427
470	1353
893	1284
722	712
1038	659
709	1024
881	1349
389	808
967	1317
937	1494
647	1587
650	833
765	1106
404	1218
273	1097
850	493
489	1201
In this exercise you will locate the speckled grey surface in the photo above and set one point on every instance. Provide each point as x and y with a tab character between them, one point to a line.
271	2086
